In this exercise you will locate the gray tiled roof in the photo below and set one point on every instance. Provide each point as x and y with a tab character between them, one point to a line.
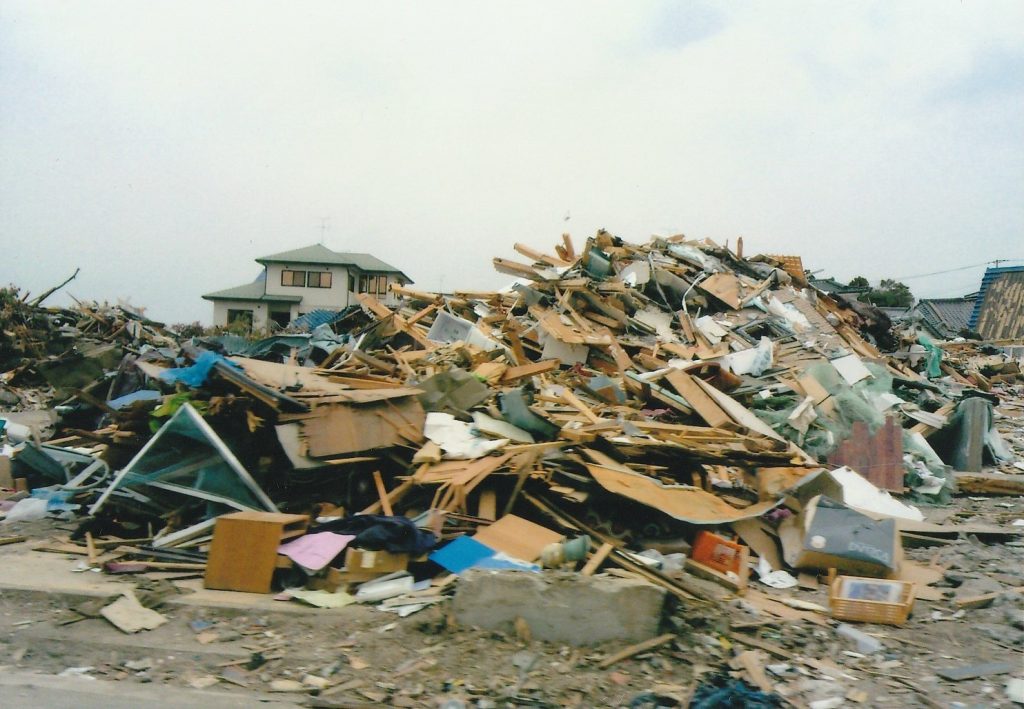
945	317
251	291
320	254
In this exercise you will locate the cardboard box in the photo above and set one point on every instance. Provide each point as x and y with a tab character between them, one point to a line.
828	535
6	479
363	564
329	580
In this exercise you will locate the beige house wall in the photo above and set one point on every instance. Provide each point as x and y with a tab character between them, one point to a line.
334	298
259	312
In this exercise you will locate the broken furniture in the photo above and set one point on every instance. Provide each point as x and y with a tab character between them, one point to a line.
243	553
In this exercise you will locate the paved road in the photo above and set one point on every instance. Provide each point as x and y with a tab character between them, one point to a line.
25	690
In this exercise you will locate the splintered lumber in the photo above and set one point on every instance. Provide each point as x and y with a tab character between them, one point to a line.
926	430
568	252
574	401
392	498
677	587
513	374
750	662
597	559
383	312
699	400
986	599
989	483
382	492
628	652
696	568
519	270
540	257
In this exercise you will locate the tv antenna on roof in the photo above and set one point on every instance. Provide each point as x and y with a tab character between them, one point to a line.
325	224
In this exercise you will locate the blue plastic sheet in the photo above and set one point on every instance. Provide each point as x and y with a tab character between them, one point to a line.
461	553
198	373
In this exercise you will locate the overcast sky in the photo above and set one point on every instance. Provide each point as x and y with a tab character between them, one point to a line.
162	147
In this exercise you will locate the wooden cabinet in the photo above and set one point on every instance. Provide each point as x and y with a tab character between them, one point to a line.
243	553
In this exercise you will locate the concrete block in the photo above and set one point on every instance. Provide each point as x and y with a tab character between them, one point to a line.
560	606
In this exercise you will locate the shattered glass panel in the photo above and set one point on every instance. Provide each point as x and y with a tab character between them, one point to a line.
187	457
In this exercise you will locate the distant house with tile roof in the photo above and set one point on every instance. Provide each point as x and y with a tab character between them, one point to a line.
944	318
832	286
998	312
300	281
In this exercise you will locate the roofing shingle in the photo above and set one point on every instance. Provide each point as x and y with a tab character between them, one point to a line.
945	317
318	253
251	291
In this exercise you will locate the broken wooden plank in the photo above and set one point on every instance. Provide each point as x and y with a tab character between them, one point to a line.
513	374
989	483
382	493
636	649
985	599
699	400
597	559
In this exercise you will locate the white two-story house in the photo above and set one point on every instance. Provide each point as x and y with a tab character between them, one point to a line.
299	281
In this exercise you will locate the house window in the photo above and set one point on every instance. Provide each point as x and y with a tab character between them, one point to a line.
351	283
281	318
375	285
240	318
293	278
319	279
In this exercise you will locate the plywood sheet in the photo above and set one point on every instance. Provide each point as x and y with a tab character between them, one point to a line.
683	502
724	286
338	429
517	537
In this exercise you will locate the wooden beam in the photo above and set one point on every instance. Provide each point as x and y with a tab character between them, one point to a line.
628	652
392	497
382	492
597	559
989	483
528	370
699	400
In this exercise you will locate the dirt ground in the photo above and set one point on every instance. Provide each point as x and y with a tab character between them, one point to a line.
359	656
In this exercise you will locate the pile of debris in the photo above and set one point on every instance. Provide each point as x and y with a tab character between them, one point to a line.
673	411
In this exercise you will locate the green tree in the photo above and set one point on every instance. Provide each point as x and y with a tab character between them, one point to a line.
890	294
859	282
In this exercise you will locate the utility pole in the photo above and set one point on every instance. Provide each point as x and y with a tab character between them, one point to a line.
325	224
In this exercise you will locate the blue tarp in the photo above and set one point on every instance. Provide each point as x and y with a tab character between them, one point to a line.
198	373
315	318
129	399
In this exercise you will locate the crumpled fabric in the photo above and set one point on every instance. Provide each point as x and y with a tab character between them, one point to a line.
376	532
722	692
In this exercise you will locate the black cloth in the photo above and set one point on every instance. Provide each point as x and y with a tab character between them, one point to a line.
376	532
722	692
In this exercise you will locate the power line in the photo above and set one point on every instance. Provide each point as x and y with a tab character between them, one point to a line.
953	270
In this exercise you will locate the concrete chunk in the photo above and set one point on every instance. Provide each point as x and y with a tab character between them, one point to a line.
561	607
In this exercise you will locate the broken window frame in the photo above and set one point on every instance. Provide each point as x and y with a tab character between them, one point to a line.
215	441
